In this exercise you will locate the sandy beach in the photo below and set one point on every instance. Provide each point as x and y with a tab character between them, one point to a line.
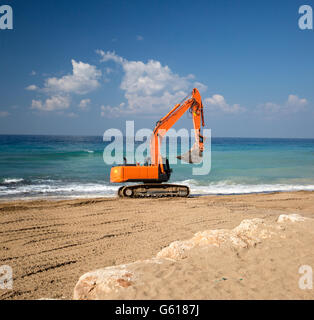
50	244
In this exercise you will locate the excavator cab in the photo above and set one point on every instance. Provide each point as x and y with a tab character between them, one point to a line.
141	173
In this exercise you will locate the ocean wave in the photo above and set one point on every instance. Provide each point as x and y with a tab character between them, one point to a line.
38	188
227	187
71	188
12	180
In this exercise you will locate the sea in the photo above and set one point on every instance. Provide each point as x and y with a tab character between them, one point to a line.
65	167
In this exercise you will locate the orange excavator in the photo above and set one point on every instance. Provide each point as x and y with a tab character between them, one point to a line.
154	173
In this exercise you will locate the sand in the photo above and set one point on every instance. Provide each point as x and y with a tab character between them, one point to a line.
50	244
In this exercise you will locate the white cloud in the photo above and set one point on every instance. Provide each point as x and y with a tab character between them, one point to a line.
32	87
148	87
112	112
200	86
110	55
84	104
4	114
52	104
139	38
218	103
84	79
33	73
293	104
71	115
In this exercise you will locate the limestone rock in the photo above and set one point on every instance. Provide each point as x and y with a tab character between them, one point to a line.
176	250
249	233
294	217
99	283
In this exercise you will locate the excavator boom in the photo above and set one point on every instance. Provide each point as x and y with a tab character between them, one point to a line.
154	173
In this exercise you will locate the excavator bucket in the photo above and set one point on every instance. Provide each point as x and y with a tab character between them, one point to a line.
195	155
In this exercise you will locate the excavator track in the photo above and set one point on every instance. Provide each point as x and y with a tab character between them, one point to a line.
153	190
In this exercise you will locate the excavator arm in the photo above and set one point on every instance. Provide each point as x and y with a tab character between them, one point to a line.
193	103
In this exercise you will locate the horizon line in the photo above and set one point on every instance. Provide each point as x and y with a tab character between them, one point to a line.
93	135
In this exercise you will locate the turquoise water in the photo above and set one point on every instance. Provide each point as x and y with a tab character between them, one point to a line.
70	166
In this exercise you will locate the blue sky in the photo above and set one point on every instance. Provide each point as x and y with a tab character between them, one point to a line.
81	67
